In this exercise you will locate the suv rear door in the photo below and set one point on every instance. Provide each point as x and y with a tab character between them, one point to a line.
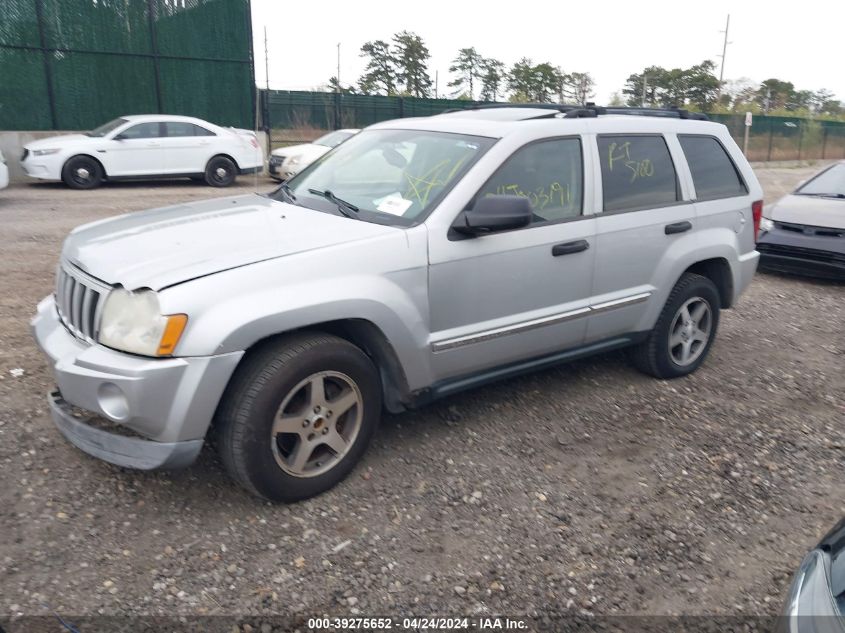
511	295
645	214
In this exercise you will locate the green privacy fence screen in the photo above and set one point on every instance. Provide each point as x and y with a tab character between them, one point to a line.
770	137
74	64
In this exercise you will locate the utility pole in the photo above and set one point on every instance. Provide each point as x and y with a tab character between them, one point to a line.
266	62
436	82
724	53
645	85
338	66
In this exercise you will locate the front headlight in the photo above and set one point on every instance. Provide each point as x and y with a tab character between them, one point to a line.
294	160
766	225
132	322
45	152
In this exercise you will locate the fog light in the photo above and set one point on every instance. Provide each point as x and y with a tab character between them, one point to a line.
113	401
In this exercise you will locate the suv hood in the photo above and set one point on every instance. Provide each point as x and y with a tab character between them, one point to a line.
810	210
162	247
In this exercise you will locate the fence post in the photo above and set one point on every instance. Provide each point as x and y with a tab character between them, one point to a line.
771	138
154	47
800	138
264	98
337	110
48	72
824	141
401	107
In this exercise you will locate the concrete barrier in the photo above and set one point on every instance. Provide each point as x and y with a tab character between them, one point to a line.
11	144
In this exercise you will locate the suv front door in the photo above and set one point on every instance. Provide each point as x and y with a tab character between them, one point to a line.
514	295
643	215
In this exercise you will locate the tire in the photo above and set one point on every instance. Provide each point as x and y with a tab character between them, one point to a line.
674	348
273	428
82	172
220	172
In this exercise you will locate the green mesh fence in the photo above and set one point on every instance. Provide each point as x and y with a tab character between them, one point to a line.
303	114
74	65
293	109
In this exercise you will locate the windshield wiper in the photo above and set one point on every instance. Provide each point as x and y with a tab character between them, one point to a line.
346	208
822	195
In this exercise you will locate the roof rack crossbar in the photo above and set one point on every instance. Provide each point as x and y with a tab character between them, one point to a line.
590	110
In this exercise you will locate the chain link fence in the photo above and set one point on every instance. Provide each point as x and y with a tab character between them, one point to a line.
75	65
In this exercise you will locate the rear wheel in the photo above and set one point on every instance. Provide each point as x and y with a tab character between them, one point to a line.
82	172
685	330
298	416
220	172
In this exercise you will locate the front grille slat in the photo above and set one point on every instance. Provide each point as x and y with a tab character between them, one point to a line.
79	302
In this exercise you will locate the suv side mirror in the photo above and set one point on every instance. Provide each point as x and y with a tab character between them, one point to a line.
495	213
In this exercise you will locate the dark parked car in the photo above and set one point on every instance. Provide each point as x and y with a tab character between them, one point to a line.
804	232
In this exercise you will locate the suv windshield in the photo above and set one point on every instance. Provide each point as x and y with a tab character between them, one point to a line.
106	128
391	176
333	139
830	182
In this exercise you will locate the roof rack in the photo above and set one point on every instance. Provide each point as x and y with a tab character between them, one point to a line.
589	110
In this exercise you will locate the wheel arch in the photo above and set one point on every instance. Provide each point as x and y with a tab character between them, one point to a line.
84	155
367	337
222	155
717	270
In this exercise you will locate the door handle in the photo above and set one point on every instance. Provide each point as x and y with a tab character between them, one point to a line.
678	227
570	247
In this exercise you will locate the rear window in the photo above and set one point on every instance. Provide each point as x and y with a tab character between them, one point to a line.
713	172
636	172
183	128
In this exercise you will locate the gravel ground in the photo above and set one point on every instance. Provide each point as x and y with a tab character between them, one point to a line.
588	487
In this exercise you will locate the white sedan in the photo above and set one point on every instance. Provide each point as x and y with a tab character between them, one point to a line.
286	162
146	146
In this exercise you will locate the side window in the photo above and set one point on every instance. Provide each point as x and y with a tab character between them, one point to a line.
201	131
179	128
548	173
636	172
142	130
713	172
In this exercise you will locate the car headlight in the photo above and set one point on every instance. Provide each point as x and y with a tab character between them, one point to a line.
132	322
45	152
766	225
294	160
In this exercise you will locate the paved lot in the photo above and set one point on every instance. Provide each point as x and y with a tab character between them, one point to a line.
586	487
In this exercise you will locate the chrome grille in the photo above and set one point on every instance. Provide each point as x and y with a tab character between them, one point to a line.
79	299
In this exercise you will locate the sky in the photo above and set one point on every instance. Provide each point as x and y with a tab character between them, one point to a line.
608	39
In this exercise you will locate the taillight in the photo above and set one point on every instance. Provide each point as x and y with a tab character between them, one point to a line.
254	142
757	215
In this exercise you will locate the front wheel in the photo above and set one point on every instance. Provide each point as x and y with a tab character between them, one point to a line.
298	415
82	172
685	330
220	172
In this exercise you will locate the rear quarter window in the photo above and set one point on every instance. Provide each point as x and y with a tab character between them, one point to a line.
637	172
714	174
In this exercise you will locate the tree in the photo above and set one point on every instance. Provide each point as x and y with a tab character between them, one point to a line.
655	86
468	66
411	56
380	74
575	87
492	78
774	94
521	80
334	86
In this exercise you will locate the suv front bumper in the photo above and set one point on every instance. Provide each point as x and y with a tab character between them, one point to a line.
166	403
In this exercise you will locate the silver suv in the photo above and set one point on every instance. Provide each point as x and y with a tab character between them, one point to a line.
421	257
